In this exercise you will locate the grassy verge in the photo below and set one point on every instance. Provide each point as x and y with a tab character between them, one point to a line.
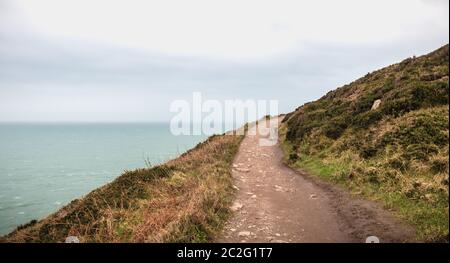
429	217
184	200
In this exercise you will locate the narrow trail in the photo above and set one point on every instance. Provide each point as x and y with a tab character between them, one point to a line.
277	204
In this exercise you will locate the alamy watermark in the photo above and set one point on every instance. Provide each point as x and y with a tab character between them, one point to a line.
209	117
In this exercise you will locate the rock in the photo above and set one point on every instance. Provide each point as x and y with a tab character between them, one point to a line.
277	234
244	170
232	229
313	196
279	188
279	241
72	239
253	196
376	104
236	206
244	234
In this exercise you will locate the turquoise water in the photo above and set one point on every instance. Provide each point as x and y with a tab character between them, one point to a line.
45	166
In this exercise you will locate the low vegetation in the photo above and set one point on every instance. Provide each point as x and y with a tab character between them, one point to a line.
184	200
396	153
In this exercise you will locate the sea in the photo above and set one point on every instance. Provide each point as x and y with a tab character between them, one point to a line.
44	166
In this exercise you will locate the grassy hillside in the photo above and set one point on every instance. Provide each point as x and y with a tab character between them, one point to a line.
183	200
396	153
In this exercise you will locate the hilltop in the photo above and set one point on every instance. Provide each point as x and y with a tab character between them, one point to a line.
384	136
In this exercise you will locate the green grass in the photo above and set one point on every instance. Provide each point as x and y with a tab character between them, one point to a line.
330	172
430	220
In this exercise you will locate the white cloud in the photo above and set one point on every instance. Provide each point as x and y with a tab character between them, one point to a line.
235	28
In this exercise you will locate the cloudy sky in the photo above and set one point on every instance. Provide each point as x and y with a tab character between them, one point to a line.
93	60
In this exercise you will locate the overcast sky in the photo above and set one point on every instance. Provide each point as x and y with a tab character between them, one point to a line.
95	60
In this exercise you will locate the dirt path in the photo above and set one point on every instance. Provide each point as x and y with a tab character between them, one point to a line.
276	204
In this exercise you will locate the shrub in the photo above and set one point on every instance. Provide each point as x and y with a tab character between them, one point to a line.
439	164
293	157
366	119
420	151
430	94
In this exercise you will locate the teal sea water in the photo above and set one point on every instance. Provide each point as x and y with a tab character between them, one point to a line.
45	166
